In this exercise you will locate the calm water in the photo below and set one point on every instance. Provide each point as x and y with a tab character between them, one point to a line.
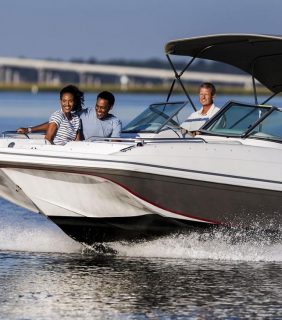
46	275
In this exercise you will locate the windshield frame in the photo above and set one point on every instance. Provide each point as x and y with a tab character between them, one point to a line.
181	104
247	133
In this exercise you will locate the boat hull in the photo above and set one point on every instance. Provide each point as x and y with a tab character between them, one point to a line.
139	228
115	200
125	189
14	194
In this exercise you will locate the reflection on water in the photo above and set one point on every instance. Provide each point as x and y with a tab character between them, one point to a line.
45	286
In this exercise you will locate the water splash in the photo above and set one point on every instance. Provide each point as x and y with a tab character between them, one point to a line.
36	239
215	245
21	230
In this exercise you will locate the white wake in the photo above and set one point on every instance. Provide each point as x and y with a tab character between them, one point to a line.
196	245
25	231
21	230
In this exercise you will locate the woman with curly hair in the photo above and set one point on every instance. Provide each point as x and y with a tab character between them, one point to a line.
64	125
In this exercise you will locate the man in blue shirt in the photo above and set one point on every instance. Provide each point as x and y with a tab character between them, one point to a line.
95	121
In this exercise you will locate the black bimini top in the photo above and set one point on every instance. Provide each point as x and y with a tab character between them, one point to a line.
258	55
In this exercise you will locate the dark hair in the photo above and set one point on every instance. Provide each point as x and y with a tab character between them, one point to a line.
208	85
107	96
77	95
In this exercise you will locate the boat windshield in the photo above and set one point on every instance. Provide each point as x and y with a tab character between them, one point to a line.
155	117
243	120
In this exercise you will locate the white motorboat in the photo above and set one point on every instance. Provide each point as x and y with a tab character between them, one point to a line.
153	180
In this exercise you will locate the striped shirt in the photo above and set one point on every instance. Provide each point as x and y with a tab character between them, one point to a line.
67	129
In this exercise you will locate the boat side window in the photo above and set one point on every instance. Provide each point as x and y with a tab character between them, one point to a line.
236	119
155	117
270	127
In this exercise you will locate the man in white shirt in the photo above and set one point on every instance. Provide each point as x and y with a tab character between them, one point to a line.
198	118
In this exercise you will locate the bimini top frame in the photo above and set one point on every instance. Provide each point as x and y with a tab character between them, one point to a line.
258	55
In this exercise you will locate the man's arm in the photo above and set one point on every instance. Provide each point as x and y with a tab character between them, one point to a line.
116	128
40	127
78	136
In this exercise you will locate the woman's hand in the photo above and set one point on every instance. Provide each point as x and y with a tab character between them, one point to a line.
22	130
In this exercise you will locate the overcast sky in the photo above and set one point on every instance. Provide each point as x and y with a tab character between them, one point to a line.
127	29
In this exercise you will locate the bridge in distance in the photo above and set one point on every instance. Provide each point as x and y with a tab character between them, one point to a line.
12	69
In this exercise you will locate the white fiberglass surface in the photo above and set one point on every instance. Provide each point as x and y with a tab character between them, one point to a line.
60	194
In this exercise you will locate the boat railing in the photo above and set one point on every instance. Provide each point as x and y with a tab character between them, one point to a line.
143	140
139	141
36	135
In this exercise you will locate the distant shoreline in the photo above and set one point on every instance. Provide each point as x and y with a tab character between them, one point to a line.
192	89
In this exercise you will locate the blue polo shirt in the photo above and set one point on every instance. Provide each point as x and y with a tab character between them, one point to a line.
94	127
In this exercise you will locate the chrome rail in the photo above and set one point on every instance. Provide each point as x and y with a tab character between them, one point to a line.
26	135
149	140
136	140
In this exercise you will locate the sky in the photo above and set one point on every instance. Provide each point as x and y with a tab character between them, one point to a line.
124	29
